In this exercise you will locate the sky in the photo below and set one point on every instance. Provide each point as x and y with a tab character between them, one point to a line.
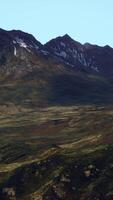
84	20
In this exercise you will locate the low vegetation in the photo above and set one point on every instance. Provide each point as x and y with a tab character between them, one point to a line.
62	152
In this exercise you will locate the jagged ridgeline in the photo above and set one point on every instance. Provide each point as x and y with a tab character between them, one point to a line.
62	71
56	119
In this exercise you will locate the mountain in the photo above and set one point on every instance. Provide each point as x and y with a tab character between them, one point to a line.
56	116
16	43
16	46
92	58
61	72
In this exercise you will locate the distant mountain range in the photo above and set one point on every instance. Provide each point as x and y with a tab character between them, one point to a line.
62	71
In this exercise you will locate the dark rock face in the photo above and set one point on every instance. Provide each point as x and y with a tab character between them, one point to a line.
66	71
18	38
62	67
16	44
94	59
65	48
91	58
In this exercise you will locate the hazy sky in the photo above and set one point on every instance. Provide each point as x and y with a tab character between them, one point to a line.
84	20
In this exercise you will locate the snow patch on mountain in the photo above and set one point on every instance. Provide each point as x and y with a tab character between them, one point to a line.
61	54
63	44
95	68
21	43
15	51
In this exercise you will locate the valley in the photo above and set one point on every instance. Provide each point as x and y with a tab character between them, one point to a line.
50	141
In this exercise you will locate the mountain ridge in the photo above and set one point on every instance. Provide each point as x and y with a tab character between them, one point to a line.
61	72
92	58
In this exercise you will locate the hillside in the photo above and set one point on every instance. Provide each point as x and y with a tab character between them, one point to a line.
38	75
56	119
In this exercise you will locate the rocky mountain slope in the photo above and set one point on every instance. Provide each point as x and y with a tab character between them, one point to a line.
90	58
62	71
56	117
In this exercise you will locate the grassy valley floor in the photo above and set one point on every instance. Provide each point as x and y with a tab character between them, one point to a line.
56	153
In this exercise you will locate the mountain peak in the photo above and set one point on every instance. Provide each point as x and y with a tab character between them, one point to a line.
16	43
66	36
